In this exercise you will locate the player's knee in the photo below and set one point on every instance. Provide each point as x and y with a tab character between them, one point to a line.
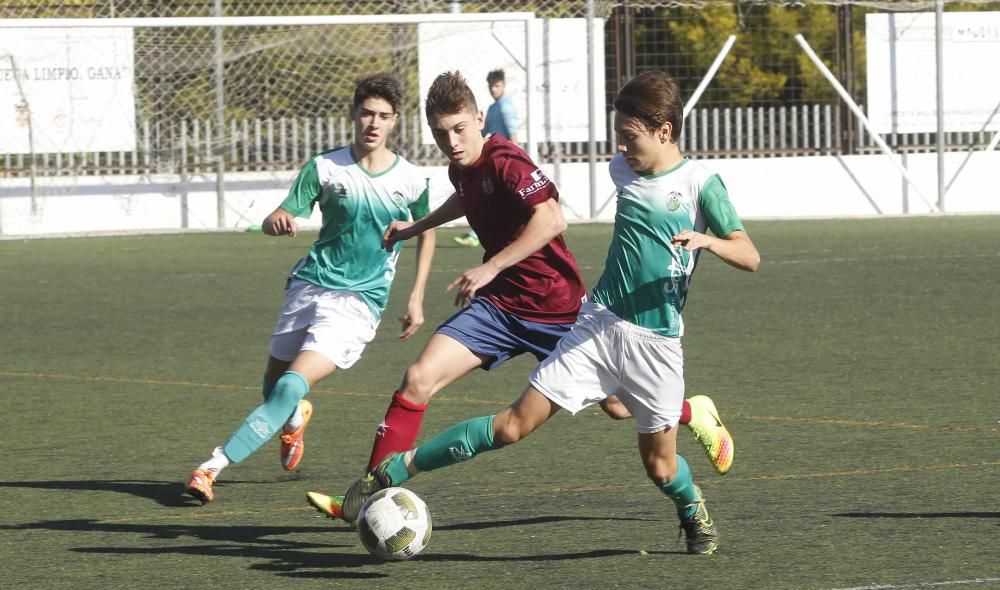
508	432
661	472
418	383
289	389
658	478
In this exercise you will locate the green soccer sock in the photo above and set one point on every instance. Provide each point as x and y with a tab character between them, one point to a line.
266	388
681	490
266	420
461	442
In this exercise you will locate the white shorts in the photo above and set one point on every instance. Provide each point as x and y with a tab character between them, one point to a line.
604	355
336	324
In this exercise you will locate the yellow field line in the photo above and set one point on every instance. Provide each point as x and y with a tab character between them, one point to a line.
868	423
854	472
470	400
740	478
598	488
85	378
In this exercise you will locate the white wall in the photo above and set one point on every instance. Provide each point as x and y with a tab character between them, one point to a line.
826	186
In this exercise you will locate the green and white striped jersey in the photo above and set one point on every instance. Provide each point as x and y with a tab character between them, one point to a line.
357	208
646	277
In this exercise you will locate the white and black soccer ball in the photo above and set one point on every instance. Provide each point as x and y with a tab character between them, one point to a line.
394	524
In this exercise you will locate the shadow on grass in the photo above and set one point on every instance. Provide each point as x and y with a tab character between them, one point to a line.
475	526
331	560
164	493
244	542
235	534
298	559
286	559
919	514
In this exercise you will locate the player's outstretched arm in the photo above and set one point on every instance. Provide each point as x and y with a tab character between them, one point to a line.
735	249
414	316
546	223
280	223
404	230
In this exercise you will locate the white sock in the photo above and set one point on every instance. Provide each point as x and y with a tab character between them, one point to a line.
408	458
295	421
217	463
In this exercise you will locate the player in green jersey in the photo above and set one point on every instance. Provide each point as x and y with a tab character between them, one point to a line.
336	294
626	340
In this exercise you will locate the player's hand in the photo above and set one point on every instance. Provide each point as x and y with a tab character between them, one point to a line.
471	281
411	320
284	226
691	240
396	232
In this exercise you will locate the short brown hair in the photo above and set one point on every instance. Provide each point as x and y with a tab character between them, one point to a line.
495	76
449	94
654	99
384	86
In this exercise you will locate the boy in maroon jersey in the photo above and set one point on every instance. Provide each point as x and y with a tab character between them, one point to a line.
523	298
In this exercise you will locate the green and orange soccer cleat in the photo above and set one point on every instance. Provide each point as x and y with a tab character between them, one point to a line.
199	485
711	433
292	443
331	506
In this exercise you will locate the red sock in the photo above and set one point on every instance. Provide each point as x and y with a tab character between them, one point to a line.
398	430
686	413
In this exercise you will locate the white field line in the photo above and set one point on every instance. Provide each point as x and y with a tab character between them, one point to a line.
903	257
968	582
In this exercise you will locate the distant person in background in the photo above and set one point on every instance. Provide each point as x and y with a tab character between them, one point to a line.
501	119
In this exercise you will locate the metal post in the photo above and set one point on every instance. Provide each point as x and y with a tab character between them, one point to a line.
939	53
709	75
220	122
591	119
529	138
628	21
23	110
825	71
846	124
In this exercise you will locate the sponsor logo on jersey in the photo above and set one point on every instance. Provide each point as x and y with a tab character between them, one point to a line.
673	201
488	185
539	181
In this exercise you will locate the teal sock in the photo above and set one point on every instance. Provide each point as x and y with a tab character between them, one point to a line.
266	388
461	442
266	420
681	490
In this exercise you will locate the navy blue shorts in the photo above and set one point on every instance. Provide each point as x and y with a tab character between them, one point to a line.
490	331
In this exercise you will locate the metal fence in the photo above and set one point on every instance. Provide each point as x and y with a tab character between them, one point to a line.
284	143
765	101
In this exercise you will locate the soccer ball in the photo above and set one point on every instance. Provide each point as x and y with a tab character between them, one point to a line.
394	524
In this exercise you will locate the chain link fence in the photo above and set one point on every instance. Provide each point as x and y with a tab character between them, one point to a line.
287	88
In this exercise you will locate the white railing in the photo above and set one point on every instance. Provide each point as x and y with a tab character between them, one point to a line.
284	143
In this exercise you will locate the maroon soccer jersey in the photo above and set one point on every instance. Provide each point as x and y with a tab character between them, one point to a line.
498	194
